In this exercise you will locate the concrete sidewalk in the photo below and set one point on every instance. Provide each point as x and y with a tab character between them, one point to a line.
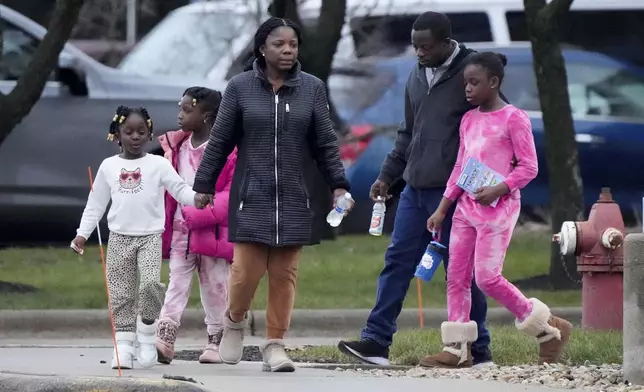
28	369
324	322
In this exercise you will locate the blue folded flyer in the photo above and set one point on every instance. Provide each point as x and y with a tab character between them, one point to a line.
476	175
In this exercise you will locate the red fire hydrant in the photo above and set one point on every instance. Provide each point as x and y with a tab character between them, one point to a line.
600	256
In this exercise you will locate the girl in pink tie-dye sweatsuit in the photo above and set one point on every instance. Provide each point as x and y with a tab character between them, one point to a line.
194	239
496	134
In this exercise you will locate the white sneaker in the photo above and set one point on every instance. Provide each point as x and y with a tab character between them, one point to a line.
125	347
483	365
146	336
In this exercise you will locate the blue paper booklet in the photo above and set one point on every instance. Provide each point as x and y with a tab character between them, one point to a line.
476	175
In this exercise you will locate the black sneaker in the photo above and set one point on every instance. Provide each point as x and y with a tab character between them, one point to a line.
366	350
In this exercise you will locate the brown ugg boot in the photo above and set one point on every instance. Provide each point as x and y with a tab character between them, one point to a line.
457	353
552	333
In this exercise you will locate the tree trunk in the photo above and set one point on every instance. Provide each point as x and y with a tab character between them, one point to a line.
17	104
566	191
316	57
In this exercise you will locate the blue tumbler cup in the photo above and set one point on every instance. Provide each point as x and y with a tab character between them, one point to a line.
430	260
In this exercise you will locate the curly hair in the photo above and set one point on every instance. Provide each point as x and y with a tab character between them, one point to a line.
208	99
122	113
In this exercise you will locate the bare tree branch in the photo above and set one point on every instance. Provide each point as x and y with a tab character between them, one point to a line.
29	87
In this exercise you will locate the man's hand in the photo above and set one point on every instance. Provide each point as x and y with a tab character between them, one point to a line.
202	200
487	194
78	244
379	188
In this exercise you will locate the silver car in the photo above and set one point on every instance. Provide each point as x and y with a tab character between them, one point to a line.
44	178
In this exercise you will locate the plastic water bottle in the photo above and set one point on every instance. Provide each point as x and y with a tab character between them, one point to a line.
378	217
335	216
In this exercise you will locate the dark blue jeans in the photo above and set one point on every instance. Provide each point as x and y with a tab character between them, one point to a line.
408	243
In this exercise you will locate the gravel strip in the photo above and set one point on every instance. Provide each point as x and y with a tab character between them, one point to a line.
604	378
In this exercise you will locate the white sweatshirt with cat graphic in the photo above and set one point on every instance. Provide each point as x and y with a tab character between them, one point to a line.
136	188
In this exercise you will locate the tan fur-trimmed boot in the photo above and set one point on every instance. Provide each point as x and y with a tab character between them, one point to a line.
457	353
552	333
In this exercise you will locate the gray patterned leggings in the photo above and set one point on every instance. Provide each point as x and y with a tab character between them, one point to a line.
126	255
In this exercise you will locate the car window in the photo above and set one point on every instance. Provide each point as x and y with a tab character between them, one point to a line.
186	44
17	51
579	28
354	89
593	90
389	34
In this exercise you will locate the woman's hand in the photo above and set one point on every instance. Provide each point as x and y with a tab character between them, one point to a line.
487	194
202	200
435	222
339	193
78	244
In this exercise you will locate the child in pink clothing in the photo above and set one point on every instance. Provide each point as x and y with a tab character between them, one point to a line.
496	134
195	239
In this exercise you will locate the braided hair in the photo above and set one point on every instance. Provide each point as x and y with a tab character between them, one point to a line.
493	63
122	113
207	98
262	34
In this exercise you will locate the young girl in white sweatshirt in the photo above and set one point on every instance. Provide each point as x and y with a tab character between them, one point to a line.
135	182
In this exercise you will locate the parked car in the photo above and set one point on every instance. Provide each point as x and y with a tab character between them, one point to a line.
607	100
43	181
214	39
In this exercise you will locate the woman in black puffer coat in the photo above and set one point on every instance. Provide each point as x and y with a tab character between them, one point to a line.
278	117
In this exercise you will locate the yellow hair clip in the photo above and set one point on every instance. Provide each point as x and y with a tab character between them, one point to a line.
116	117
150	122
121	119
110	137
194	101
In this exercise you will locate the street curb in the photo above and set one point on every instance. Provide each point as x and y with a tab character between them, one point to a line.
18	382
351	366
304	322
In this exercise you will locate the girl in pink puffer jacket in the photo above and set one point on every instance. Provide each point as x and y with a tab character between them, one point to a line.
195	239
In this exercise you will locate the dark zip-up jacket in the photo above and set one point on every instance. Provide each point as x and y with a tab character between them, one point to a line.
277	135
428	138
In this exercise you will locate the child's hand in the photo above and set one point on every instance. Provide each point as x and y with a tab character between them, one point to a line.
487	194
78	244
202	200
435	222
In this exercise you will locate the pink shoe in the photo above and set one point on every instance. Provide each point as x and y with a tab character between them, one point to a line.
211	353
166	336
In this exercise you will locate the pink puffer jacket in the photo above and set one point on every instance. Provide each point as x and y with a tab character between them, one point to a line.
208	228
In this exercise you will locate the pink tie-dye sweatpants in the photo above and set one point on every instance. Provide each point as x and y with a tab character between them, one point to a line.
213	283
480	237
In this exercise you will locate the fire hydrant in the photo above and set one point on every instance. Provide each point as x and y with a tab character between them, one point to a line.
600	256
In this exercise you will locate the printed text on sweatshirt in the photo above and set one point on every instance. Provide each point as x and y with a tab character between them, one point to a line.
136	188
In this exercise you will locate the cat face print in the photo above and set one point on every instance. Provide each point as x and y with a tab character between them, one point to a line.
130	179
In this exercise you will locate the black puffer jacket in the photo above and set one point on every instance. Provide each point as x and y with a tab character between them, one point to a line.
278	136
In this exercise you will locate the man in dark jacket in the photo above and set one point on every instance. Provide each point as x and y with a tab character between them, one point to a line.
424	155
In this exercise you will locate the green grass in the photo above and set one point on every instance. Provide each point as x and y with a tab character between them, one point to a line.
509	347
335	274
